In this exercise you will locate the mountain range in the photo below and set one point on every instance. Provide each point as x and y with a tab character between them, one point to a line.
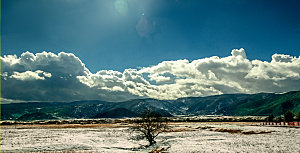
227	104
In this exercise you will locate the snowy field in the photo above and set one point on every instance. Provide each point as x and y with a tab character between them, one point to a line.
186	137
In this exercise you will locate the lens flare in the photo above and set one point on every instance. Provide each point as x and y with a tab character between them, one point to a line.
121	6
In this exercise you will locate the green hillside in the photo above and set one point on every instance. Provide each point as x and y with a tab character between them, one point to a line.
227	104
276	104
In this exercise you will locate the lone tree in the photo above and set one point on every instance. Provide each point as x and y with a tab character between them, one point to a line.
149	126
289	116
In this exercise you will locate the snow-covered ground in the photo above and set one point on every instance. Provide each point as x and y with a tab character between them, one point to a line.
192	138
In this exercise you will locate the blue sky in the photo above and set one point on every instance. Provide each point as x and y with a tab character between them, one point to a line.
116	50
120	34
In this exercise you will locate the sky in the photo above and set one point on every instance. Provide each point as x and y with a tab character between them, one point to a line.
115	50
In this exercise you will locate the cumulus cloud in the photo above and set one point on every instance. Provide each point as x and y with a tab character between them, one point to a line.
49	77
239	52
29	75
63	77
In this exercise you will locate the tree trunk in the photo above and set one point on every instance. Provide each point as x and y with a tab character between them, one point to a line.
151	142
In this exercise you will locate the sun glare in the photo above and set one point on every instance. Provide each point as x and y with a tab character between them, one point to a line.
121	6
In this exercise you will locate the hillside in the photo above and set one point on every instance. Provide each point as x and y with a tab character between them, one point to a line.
227	104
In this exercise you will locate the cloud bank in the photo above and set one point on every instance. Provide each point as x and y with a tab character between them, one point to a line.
63	77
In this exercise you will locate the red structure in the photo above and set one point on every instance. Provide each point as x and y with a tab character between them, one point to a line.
281	123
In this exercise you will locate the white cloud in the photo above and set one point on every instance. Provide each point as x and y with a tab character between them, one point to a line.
48	77
44	77
239	52
61	64
283	58
29	75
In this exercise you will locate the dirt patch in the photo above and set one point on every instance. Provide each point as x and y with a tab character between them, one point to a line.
160	149
179	130
188	128
216	123
204	127
228	130
253	132
232	131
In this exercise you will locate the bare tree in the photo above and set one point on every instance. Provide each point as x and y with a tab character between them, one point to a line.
149	126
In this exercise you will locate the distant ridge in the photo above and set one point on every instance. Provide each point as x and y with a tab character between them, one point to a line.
227	104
